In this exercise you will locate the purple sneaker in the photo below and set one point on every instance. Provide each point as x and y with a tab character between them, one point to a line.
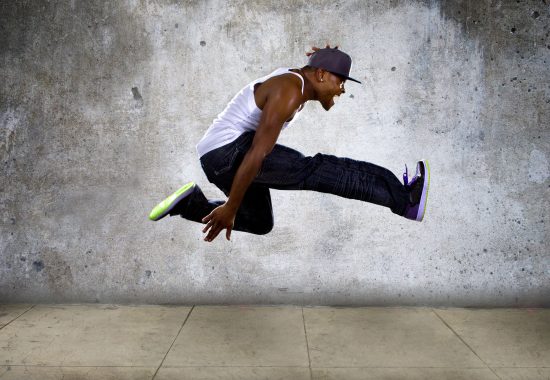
418	186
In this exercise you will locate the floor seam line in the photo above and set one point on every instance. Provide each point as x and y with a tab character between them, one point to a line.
254	366
75	366
173	342
464	342
307	344
321	367
16	318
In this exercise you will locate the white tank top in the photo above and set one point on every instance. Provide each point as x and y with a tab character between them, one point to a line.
239	116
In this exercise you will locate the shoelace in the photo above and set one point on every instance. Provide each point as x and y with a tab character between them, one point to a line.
406	177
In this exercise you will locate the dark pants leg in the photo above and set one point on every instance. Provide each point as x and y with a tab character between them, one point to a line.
344	177
288	169
255	214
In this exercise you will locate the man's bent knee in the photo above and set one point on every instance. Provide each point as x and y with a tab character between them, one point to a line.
262	228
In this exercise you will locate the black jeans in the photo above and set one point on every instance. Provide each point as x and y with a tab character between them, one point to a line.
287	169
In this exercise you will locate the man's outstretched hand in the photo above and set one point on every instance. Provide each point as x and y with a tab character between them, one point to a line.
222	217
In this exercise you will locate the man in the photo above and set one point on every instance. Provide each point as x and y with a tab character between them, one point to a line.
239	155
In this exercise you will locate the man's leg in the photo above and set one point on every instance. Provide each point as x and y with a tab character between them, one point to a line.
287	169
255	214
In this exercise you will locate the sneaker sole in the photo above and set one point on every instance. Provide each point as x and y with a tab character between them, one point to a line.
164	207
424	168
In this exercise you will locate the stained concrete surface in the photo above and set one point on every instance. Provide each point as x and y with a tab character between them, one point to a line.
274	342
102	103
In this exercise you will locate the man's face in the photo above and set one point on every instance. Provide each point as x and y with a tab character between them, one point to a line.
333	87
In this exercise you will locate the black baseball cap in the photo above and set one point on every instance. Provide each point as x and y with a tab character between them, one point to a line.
332	60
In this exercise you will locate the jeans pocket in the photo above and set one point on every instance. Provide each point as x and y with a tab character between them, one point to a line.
227	162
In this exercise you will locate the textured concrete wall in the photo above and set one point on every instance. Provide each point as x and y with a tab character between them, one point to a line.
102	103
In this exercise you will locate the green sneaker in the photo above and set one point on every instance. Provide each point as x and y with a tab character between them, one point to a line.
164	207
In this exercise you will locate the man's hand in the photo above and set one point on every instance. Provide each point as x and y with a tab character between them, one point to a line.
222	217
315	48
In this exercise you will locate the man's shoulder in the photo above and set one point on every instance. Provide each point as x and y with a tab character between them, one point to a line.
286	82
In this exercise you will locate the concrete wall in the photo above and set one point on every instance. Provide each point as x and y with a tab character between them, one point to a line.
102	103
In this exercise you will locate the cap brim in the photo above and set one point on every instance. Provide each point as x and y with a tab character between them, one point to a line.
355	80
347	78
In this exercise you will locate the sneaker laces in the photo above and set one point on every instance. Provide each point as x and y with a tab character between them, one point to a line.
414	179
414	186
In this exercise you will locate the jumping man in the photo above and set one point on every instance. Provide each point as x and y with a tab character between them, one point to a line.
240	155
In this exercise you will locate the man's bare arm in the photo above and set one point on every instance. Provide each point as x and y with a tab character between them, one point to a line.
281	103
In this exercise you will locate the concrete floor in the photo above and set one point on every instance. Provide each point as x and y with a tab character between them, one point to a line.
271	342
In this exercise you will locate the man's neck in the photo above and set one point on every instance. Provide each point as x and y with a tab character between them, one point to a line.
309	90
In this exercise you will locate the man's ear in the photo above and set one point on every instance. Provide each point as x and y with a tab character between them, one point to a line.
320	75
